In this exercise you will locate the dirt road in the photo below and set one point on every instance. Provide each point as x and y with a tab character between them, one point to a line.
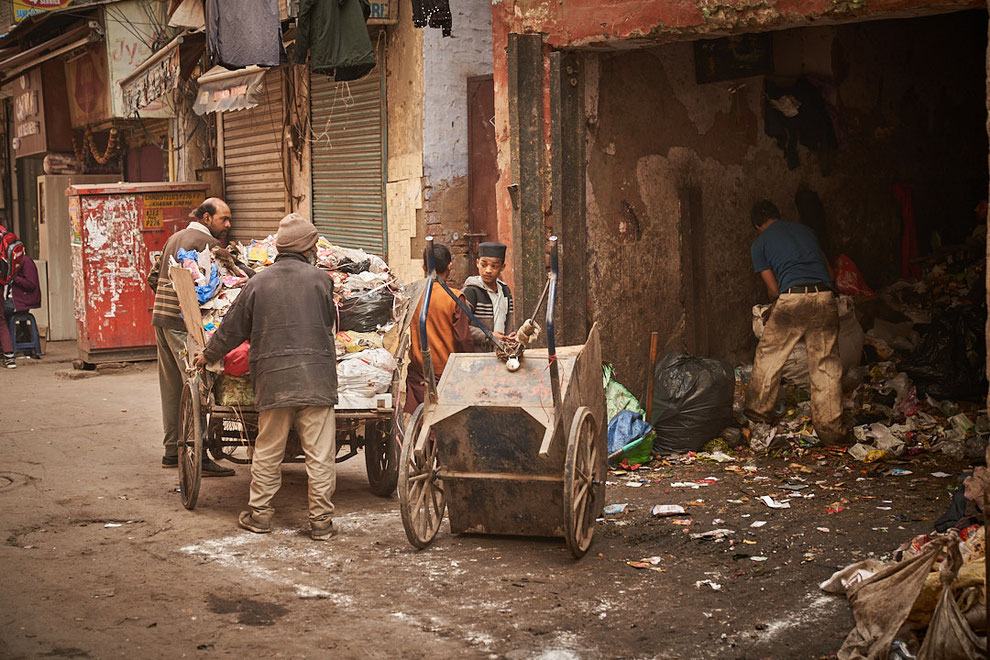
101	559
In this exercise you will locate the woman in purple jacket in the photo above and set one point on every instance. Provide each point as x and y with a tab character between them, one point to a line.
26	292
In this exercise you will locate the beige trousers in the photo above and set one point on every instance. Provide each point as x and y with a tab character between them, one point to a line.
814	316
171	376
316	428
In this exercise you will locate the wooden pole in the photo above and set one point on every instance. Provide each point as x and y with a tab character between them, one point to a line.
654	345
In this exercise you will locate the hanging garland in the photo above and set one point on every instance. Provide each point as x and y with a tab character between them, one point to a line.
112	150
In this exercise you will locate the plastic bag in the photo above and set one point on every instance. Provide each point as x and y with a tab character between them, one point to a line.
848	279
617	399
236	362
692	401
367	312
950	362
354	342
624	429
366	373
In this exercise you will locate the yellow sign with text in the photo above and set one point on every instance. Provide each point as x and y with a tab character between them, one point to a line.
24	8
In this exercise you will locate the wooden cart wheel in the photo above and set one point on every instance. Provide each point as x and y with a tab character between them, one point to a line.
381	458
422	500
190	444
584	482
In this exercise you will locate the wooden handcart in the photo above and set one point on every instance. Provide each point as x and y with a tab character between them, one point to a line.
508	452
227	432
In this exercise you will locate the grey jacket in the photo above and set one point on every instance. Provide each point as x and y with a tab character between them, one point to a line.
287	312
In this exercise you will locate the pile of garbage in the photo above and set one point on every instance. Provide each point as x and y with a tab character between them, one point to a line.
930	600
368	299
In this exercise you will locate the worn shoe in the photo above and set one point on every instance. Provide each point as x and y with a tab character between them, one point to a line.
170	461
247	521
8	361
322	531
211	469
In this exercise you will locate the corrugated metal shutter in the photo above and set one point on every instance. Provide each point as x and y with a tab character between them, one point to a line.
348	123
252	164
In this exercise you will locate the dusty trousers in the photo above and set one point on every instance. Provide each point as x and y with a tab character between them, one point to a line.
316	429
814	316
171	378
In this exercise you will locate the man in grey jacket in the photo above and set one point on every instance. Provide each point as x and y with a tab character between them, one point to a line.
287	312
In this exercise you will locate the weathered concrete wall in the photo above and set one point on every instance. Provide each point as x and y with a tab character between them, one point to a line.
635	23
910	98
404	186
447	64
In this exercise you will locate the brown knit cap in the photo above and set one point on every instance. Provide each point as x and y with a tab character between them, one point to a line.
295	234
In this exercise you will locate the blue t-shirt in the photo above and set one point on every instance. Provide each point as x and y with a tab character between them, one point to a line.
792	252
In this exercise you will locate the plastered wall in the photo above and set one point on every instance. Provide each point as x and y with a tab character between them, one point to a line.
447	64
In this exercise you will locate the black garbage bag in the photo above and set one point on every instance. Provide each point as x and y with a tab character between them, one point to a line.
366	312
950	362
347	265
692	401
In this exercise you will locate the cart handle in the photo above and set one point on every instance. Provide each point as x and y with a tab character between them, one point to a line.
551	339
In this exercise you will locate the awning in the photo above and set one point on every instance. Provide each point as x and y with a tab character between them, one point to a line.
221	89
161	72
77	37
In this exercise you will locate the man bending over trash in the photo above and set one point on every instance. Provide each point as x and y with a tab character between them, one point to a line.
798	278
287	312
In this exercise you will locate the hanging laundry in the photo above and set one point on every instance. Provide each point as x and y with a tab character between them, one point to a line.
336	33
433	13
240	34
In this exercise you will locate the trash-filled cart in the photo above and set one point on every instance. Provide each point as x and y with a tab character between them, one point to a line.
217	414
511	442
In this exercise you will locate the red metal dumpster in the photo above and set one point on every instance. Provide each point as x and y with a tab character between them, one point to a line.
118	230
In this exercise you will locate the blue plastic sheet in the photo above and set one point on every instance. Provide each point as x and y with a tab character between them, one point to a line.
204	292
625	428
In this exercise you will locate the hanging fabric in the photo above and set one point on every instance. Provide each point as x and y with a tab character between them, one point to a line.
239	34
336	33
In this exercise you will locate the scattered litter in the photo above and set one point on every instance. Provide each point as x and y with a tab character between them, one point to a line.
898	472
664	510
614	508
634	484
714	585
941	475
794	486
774	504
757	558
112	525
647	562
714	534
682	521
758	523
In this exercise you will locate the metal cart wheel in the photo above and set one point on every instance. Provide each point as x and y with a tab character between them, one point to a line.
190	444
381	457
584	482
422	500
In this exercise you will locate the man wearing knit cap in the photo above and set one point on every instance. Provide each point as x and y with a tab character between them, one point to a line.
287	312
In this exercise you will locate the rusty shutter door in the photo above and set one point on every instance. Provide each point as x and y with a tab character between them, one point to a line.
348	143
252	164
